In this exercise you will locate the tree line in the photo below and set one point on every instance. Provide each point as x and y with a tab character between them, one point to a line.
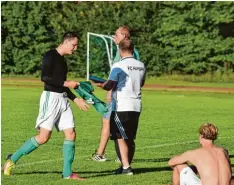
171	37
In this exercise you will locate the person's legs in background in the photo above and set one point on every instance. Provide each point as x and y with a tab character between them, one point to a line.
99	154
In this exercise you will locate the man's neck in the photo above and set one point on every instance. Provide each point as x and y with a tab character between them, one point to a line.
124	55
60	50
207	144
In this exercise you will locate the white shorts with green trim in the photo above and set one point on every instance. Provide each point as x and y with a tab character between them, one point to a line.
188	177
55	111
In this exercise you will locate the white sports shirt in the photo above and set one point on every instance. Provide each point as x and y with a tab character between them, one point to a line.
129	74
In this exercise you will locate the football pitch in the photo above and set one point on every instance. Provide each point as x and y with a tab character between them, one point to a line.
168	126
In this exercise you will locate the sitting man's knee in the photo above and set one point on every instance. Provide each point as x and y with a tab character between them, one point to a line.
180	167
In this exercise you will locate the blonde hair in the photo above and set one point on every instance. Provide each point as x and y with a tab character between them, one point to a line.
124	30
208	131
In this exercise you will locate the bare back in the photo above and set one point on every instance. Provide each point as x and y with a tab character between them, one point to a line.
213	165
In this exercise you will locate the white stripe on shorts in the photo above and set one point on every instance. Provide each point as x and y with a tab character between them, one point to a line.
120	127
45	105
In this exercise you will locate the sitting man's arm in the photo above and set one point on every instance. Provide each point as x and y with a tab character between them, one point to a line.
179	159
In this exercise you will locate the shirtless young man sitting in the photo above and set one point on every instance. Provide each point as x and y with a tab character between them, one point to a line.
212	162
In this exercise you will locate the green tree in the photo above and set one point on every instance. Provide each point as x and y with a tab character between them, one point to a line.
172	37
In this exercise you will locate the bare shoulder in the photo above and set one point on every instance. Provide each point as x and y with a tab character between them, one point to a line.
195	151
191	153
225	151
222	149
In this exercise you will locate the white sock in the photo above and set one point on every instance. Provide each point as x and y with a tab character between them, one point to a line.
126	167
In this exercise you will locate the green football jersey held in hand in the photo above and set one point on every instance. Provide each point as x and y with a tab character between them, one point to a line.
85	91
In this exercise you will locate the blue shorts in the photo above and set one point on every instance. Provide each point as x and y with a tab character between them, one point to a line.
108	113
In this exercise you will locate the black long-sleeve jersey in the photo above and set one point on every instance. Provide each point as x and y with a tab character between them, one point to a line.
54	73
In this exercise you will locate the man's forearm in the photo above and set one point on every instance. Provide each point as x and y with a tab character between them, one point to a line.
70	95
175	161
171	162
108	85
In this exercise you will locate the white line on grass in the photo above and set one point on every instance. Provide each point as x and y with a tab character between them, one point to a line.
85	156
168	144
39	162
178	143
46	161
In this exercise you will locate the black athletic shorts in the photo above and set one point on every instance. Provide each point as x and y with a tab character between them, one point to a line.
123	125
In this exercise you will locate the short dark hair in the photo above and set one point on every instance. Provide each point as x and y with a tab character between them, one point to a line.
69	35
126	45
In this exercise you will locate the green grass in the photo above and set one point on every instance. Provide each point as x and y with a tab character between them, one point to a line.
163	80
182	81
215	77
168	126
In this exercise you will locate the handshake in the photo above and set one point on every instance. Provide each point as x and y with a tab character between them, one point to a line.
98	81
73	84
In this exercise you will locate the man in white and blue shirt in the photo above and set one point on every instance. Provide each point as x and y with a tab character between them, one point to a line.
122	33
125	80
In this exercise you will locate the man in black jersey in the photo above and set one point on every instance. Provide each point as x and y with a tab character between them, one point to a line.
55	109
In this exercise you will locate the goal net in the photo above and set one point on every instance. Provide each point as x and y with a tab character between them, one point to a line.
100	52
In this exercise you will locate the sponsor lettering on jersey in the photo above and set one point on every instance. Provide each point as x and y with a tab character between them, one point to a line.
135	68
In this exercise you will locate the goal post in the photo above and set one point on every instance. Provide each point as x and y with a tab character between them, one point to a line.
108	47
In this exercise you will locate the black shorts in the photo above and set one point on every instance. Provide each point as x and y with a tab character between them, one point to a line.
123	125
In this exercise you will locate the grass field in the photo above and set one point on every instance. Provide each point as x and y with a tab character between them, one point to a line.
168	126
165	80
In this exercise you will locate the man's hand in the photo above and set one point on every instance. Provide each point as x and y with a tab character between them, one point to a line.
81	104
71	84
99	84
108	85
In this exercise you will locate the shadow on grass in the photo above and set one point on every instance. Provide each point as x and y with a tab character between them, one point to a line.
148	170
135	170
151	160
98	173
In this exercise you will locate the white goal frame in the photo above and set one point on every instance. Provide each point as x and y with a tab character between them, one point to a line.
109	49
